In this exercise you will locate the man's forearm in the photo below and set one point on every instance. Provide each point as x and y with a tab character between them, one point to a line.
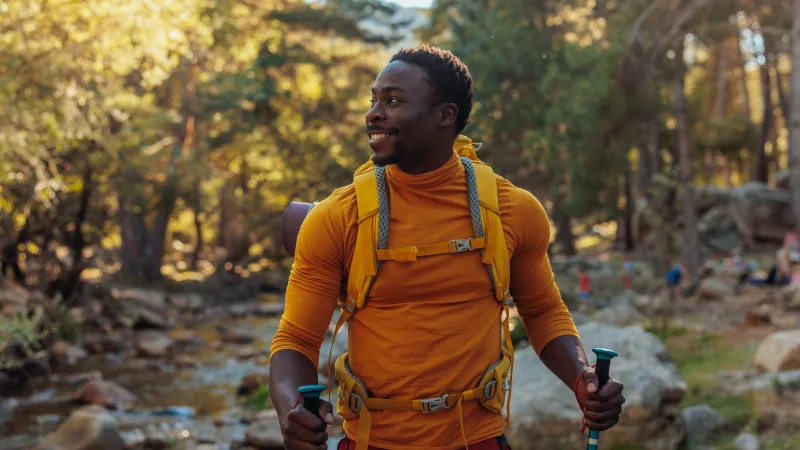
565	357
289	370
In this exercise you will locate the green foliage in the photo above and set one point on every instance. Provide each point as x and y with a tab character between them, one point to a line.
20	338
260	399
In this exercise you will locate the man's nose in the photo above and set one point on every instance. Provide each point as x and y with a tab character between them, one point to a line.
375	114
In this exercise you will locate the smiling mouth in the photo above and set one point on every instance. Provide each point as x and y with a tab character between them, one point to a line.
377	136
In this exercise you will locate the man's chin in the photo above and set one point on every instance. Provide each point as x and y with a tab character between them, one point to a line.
384	158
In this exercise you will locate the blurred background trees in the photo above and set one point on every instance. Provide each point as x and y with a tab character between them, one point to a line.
163	139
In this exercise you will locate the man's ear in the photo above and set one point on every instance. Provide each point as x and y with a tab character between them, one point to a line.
448	115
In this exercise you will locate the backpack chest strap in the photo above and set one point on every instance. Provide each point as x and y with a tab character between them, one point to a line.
411	253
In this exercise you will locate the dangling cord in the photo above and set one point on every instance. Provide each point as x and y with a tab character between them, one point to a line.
575	390
510	346
461	421
299	399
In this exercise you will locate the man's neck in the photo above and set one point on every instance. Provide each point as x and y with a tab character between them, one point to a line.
437	159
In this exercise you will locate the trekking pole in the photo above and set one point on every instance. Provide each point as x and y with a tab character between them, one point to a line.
602	366
311	395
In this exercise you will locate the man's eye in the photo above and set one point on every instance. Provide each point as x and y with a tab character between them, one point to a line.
372	102
393	100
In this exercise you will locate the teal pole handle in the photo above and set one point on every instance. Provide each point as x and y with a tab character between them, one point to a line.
602	367
311	395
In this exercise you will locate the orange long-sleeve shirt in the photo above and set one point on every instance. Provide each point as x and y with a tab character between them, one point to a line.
431	326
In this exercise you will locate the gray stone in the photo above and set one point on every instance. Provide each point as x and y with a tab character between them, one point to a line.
701	420
545	414
747	441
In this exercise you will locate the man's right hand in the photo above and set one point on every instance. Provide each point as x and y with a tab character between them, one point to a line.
302	430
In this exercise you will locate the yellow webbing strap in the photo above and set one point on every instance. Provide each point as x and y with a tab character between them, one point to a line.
411	253
363	267
342	319
425	406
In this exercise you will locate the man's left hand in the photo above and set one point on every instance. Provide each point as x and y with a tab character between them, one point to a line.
601	409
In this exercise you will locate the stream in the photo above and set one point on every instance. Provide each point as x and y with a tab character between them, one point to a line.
176	405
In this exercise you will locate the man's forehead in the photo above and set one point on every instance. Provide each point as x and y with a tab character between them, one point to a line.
399	76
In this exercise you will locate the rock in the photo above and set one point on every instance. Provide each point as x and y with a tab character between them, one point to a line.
185	337
769	381
79	378
766	419
620	314
154	344
236	337
271	309
103	393
782	179
222	421
747	441
245	353
148	319
701	420
339	349
251	382
240	310
264	436
716	288
188	302
90	428
544	413
790	296
779	351
757	317
757	211
148	298
271	415
185	361
101	343
66	354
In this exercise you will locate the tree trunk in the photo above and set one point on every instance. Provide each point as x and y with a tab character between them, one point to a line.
628	216
69	283
760	168
794	129
564	237
783	99
690	244
136	253
719	108
9	255
198	231
745	92
143	244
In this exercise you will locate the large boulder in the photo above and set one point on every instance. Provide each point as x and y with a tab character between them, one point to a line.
715	288
779	351
89	428
757	211
103	393
545	414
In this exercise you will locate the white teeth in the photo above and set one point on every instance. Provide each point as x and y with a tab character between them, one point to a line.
376	136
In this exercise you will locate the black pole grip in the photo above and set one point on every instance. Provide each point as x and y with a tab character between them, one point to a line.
312	404
601	369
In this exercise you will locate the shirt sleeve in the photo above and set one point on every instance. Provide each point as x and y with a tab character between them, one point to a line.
314	282
533	284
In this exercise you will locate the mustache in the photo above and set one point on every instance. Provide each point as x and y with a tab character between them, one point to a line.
378	129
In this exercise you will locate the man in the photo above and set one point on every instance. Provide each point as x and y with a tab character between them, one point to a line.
432	325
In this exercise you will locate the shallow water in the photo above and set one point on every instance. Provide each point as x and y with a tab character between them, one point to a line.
171	403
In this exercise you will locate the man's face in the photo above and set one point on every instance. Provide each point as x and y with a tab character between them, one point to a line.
403	121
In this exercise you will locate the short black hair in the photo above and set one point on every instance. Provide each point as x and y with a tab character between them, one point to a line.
445	72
